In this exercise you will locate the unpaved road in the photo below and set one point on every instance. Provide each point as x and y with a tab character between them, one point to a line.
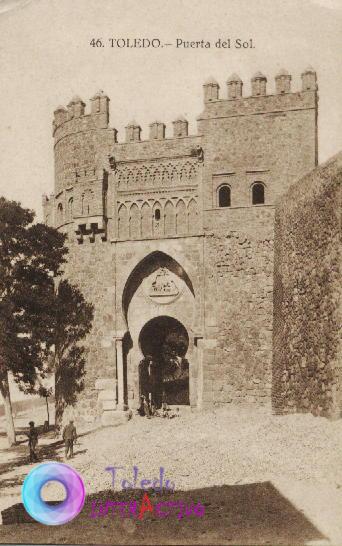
264	480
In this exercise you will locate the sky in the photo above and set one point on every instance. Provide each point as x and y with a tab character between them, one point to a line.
46	58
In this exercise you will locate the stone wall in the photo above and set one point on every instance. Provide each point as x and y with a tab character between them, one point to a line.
137	262
91	266
131	208
103	270
307	295
238	306
80	147
270	139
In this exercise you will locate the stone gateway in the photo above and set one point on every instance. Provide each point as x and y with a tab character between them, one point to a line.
174	237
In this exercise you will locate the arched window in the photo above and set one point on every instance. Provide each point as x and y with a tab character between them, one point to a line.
157	223
70	206
60	213
170	218
123	223
146	220
258	193
224	196
181	218
134	222
85	203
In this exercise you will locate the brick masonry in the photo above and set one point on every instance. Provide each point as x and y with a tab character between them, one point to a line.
131	208
307	362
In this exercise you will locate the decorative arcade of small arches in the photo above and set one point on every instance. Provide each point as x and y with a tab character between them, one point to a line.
129	178
158	219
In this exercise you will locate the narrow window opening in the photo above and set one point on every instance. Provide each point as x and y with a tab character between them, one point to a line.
258	194
60	212
224	196
70	207
157	214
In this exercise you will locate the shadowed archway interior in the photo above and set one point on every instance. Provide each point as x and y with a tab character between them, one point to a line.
164	370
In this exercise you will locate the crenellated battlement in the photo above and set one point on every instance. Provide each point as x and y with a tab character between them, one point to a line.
74	115
259	101
74	119
264	138
234	84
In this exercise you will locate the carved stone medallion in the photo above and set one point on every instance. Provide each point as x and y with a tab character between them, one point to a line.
162	287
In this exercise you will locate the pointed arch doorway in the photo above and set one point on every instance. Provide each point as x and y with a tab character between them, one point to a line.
164	370
157	297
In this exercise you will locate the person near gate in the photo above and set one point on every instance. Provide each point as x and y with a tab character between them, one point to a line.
69	437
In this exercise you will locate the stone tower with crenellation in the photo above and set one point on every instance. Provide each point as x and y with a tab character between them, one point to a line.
175	234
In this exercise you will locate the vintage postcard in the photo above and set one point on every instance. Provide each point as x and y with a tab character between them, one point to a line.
170	272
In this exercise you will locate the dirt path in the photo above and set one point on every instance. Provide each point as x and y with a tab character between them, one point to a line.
264	478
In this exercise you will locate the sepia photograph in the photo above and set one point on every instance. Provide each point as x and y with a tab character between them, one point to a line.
170	272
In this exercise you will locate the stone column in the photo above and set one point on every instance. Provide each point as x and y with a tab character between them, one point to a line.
209	366
120	373
199	345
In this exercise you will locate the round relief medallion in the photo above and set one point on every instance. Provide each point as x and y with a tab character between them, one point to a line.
163	286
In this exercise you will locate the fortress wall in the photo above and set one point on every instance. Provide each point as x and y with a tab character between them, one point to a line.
91	266
270	139
120	202
101	270
307	362
80	152
155	149
238	306
272	144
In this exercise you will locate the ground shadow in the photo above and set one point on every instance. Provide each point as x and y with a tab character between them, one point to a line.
18	454
45	453
20	457
247	514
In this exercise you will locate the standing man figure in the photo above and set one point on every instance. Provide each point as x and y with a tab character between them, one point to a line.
69	437
33	441
147	408
141	410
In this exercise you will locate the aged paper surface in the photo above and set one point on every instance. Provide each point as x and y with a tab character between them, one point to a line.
191	154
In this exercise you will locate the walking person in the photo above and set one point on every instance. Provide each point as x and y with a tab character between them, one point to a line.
32	442
69	437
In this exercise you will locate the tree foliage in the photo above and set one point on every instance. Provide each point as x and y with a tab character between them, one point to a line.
45	392
35	319
73	321
30	255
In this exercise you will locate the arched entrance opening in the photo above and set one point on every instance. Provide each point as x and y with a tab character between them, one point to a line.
164	370
148	265
158	297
